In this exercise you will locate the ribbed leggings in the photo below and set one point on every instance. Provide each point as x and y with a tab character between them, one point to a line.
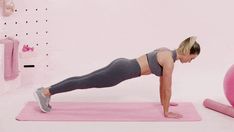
117	71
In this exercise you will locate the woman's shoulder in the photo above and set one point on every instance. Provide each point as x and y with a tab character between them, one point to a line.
164	55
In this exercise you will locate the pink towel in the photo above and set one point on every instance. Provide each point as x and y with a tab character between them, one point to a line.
11	70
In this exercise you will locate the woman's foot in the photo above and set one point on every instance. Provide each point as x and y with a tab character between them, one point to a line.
42	100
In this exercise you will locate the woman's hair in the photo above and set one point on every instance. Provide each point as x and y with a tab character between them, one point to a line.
189	46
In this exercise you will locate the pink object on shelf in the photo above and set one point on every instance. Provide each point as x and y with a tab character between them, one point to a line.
26	48
103	111
11	70
222	108
228	85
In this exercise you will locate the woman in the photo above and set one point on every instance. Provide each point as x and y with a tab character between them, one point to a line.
159	62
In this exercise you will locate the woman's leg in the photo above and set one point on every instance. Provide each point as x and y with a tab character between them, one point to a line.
116	72
119	70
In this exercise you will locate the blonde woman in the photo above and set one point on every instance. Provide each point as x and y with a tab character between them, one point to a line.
159	62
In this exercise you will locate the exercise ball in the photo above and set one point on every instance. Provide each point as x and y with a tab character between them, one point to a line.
228	85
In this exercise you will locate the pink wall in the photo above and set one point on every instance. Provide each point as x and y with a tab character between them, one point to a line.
87	34
29	25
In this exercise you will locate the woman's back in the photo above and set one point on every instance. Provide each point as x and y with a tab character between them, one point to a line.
157	55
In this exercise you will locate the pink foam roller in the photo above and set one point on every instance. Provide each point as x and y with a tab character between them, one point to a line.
222	108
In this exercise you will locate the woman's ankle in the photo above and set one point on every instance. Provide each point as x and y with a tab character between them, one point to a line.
46	92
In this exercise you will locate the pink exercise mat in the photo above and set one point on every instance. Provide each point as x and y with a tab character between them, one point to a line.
102	111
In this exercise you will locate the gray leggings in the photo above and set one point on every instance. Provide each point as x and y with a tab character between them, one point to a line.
117	71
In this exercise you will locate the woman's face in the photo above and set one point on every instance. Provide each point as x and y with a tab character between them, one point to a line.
188	58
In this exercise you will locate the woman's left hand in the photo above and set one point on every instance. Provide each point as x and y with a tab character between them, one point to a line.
173	104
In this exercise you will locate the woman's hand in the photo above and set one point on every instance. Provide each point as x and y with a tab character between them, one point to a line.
173	104
172	115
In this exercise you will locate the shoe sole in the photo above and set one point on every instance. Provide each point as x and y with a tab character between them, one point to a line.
38	101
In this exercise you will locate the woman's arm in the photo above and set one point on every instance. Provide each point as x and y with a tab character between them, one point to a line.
165	84
161	90
162	94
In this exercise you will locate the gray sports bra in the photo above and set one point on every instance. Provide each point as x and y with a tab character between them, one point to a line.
155	67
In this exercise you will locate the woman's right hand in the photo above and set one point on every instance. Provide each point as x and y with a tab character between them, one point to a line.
172	115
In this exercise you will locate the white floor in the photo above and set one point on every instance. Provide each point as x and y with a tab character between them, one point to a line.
12	102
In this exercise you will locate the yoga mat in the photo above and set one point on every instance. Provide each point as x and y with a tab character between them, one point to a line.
103	111
222	108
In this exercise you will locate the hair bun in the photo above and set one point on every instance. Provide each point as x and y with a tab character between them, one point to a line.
192	39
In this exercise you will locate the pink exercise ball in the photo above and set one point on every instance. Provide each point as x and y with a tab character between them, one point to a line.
228	85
